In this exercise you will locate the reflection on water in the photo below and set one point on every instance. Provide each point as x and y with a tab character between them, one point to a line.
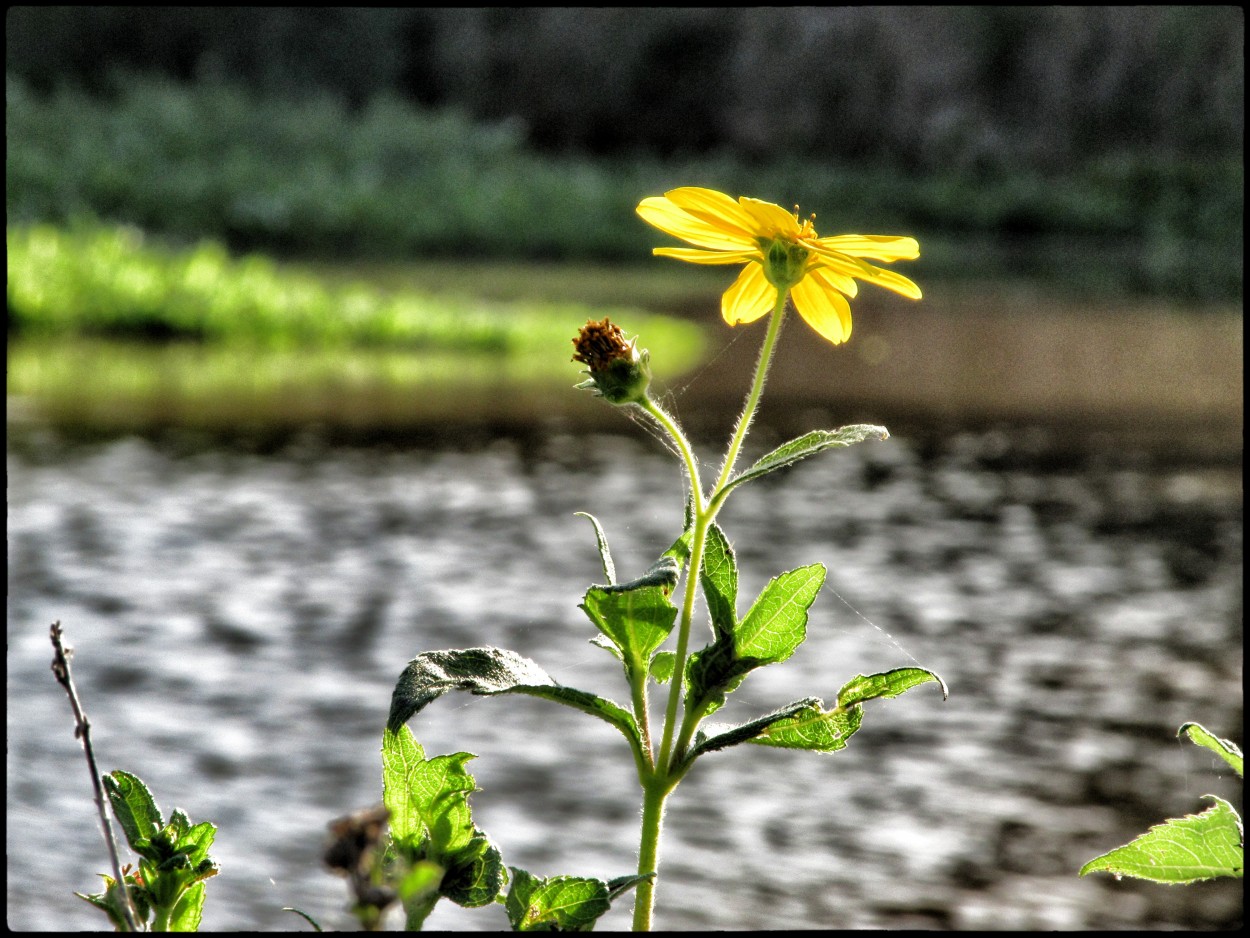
240	619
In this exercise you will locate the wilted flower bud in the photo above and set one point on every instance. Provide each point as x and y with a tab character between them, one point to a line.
618	371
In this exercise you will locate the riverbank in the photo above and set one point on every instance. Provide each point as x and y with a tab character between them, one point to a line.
969	356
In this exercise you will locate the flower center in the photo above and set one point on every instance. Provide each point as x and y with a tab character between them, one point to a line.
785	261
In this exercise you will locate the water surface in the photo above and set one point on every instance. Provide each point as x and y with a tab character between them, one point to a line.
240	618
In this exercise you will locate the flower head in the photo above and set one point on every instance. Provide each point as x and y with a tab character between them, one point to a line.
618	371
781	253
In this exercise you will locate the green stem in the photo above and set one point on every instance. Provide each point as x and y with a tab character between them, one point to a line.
757	388
683	446
659	783
655	790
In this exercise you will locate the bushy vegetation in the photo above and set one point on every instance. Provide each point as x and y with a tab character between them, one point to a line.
315	177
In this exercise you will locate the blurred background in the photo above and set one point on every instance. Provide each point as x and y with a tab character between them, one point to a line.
290	295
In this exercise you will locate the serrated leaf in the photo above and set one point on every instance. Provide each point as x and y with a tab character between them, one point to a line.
777	621
1181	850
714	737
719	579
605	555
559	903
773	628
430	820
1226	749
135	809
808	445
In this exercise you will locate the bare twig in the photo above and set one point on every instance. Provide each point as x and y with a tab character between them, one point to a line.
82	730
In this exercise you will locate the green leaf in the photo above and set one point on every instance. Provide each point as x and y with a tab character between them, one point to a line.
430	820
188	910
819	730
773	628
860	689
635	618
813	728
1224	748
662	665
777	622
490	671
808	445
719	578
716	736
135	810
1181	850
623	884
560	903
609	569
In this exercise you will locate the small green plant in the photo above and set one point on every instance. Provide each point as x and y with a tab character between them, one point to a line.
427	798
168	884
167	887
1189	849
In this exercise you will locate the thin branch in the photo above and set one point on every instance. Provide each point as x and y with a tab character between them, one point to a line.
82	730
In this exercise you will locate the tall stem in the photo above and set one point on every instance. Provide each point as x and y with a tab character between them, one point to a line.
658	784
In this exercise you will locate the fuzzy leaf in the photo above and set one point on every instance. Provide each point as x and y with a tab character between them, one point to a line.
719	578
1181	850
605	555
487	672
1224	748
773	628
561	903
808	445
135	809
430	820
820	730
635	618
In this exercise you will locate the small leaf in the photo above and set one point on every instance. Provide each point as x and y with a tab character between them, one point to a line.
623	884
605	555
188	910
777	621
819	730
719	579
636	620
663	574
135	809
860	689
430	820
808	445
1181	850
1224	748
813	728
715	737
662	665
560	903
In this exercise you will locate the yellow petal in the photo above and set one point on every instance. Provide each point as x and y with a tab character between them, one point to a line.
749	297
770	219
697	256
671	219
715	208
892	281
878	247
823	308
837	279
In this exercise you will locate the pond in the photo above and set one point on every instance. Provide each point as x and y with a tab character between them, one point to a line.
240	615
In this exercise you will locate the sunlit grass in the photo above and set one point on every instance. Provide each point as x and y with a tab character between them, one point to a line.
108	329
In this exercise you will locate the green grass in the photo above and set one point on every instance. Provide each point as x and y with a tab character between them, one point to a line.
108	328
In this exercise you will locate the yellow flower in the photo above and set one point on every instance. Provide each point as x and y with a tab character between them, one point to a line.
780	253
